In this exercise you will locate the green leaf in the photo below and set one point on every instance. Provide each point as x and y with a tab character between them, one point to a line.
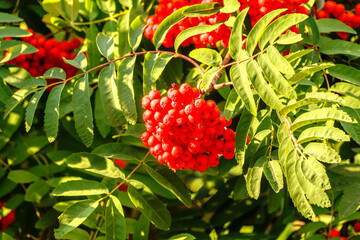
311	98
126	89
71	9
77	234
91	9
22	176
95	164
55	72
320	115
83	111
337	46
169	180
346	89
239	191
80	188
253	177
110	98
345	73
322	152
308	70
150	206
52	112
79	61
314	193
192	31
289	38
166	24
315	173
7	31
349	202
14	48
273	173
93	53
235	41
311	33
353	129
120	151
230	6
328	25
209	77
298	54
142	228
182	236
102	122
279	83
114	220
74	215
281	63
278	27
106	6
136	31
159	65
203	9
232	105
258	29
241	84
17	98
123	28
208	56
7	18
323	133
296	193
105	45
36	191
149	62
261	86
242	131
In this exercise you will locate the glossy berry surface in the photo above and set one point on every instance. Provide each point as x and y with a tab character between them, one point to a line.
185	131
357	227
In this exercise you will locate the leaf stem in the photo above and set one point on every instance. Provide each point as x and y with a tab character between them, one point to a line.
127	177
126	56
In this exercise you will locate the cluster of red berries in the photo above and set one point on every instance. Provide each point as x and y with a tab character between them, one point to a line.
337	10
8	219
185	131
166	7
50	54
258	8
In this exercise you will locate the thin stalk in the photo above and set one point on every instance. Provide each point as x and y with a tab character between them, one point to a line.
126	56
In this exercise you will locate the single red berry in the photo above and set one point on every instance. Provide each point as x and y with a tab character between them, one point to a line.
357	227
334	233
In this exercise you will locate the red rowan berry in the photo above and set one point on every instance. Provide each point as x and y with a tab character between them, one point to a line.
334	233
357	225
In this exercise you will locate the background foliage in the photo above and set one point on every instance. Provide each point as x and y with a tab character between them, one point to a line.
298	178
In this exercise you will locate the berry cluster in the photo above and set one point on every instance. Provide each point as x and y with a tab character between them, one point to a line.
50	54
8	219
166	7
337	10
185	131
258	8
